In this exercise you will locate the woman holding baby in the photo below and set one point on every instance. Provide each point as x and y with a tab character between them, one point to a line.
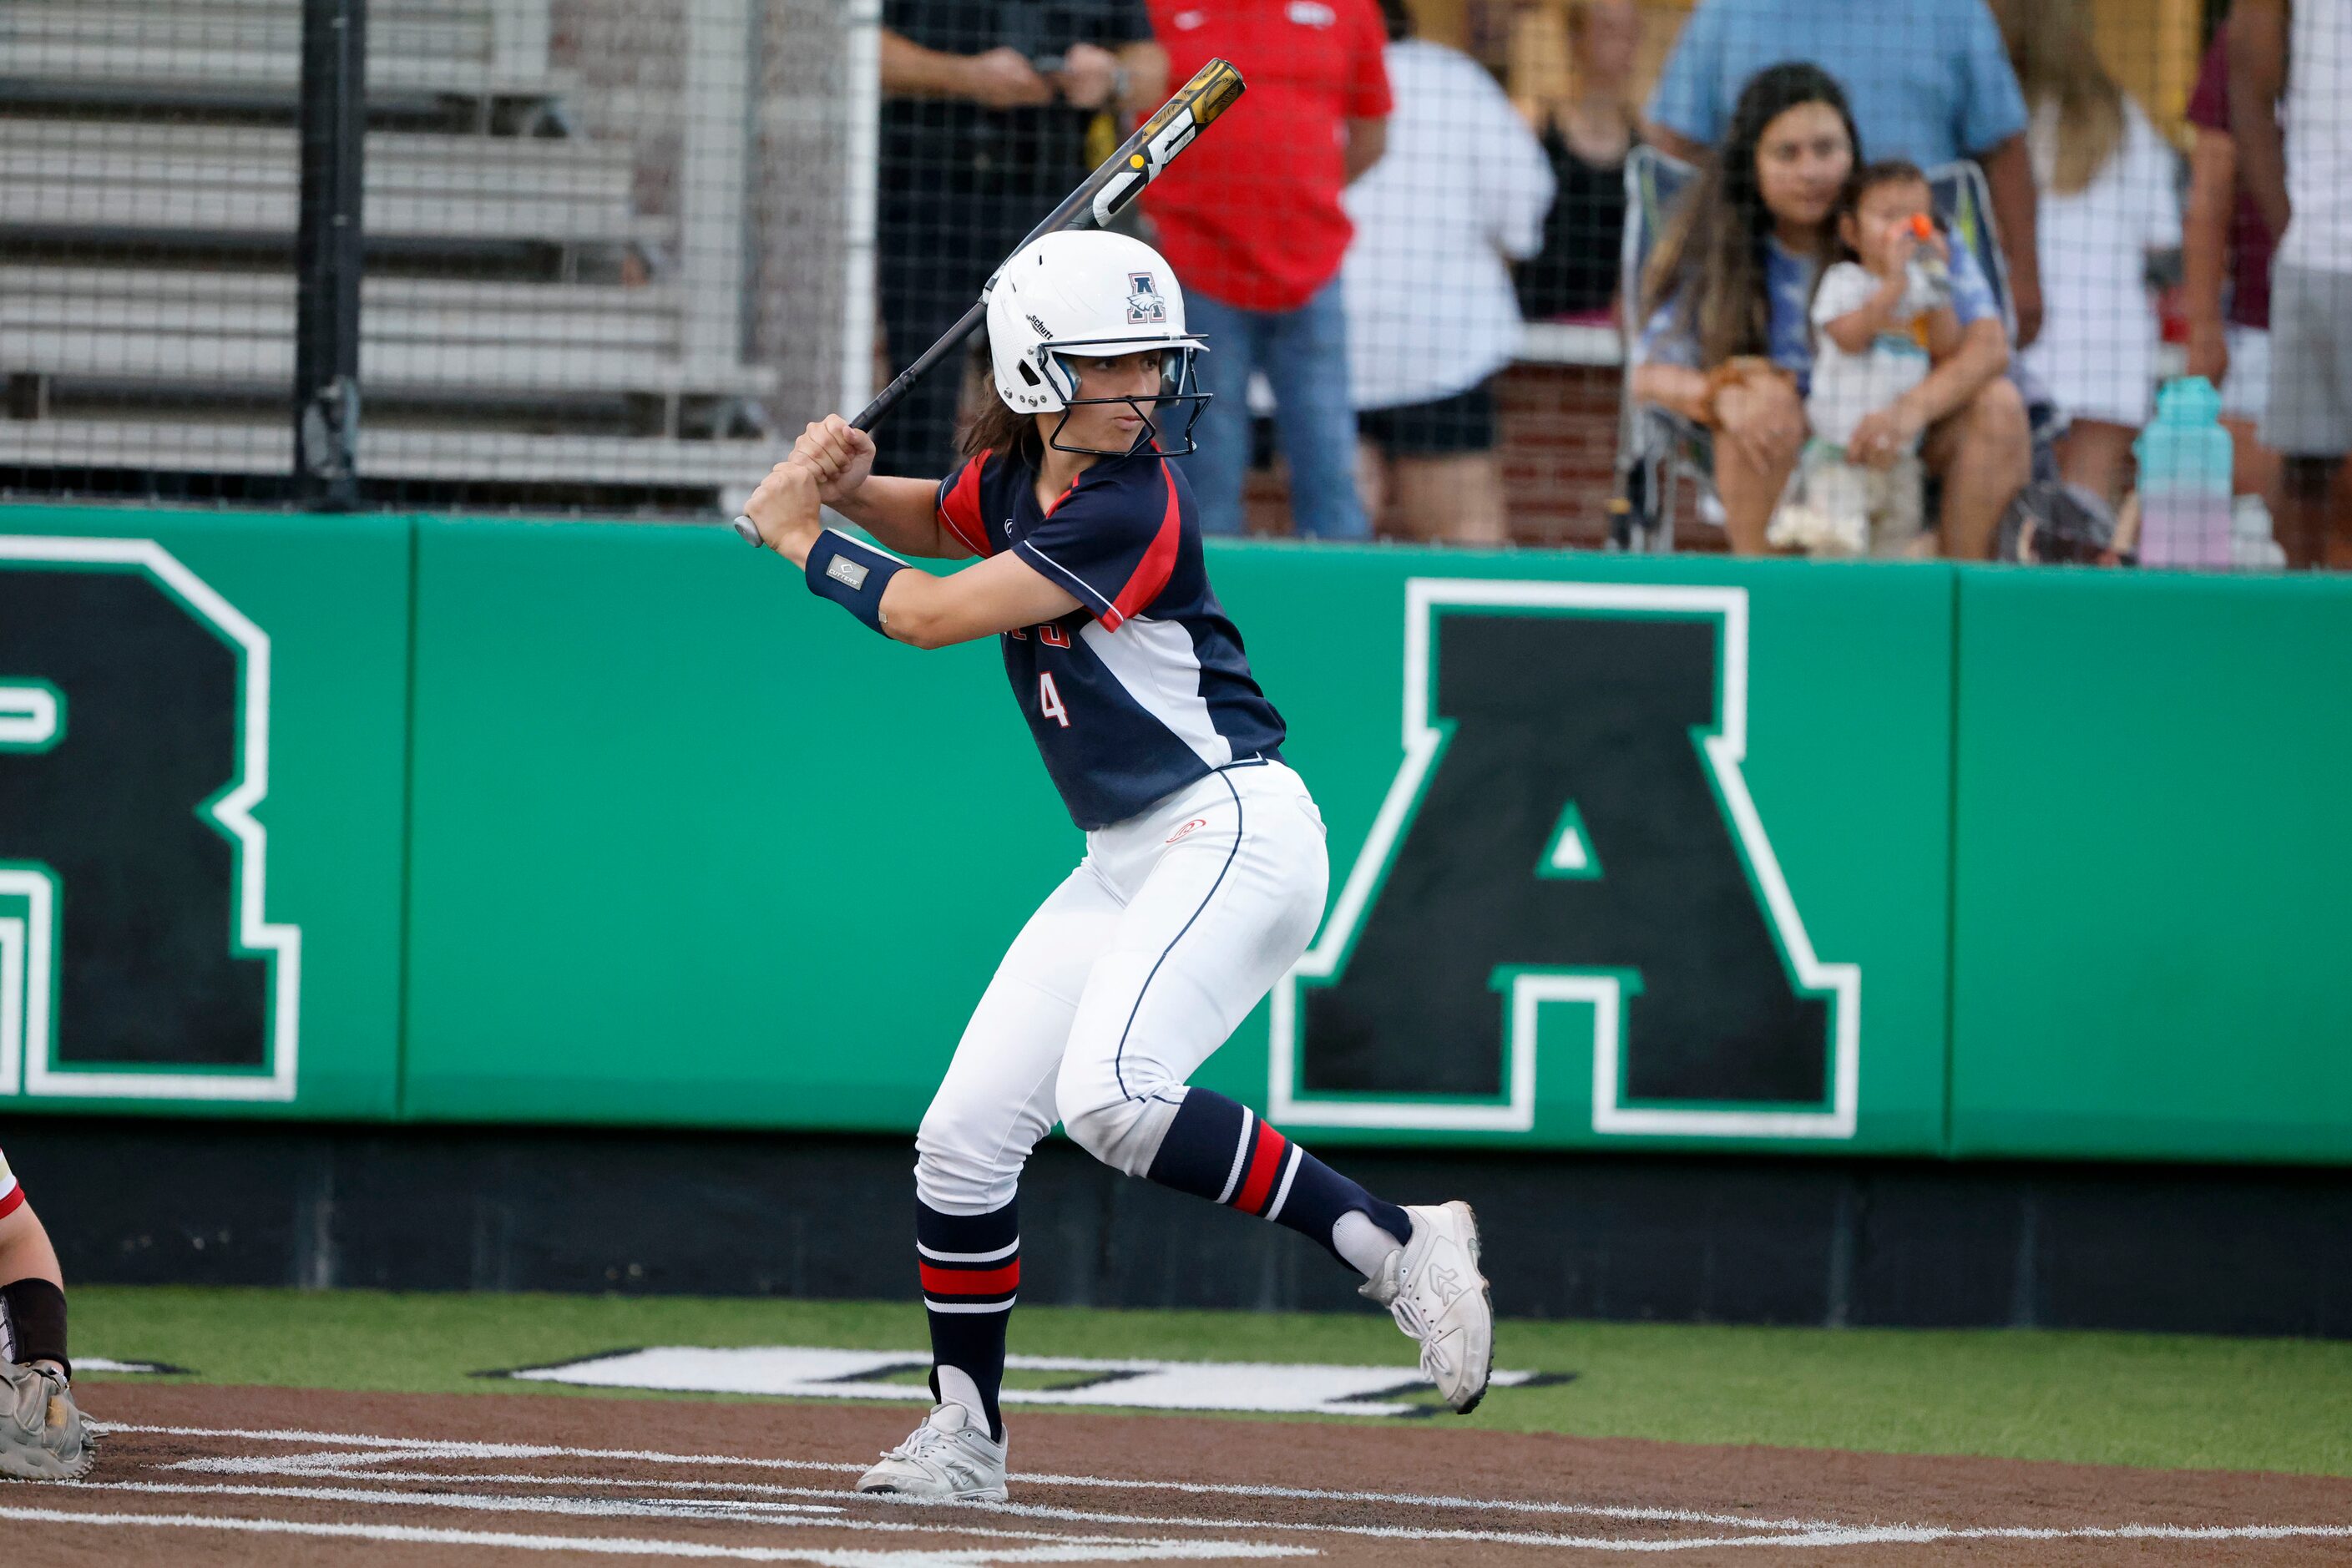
1730	341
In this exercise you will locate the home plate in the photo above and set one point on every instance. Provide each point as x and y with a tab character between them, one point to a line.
815	1374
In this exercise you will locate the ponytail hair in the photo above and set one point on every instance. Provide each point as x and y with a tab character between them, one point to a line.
997	430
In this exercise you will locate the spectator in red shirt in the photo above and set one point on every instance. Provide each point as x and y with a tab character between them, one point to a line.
1251	220
2226	292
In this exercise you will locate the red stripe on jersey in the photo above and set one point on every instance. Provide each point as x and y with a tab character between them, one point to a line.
971	1281
12	1199
961	510
1159	562
1265	1164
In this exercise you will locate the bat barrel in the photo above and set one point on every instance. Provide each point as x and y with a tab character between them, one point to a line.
1101	197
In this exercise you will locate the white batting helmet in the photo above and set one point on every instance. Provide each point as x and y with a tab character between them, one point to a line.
1101	294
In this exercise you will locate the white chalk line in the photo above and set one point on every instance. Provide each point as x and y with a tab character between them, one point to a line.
1067	1548
593	1508
309	1467
451	1448
1011	1510
1441	1500
387	1450
1798	1533
1906	1534
628	1546
1823	1536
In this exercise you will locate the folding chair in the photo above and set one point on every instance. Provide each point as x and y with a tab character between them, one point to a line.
1659	451
1655	450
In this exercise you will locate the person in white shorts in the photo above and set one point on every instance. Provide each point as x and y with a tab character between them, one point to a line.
1460	193
2298	168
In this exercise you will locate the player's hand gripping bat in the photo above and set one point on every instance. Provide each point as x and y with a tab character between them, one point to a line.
1100	197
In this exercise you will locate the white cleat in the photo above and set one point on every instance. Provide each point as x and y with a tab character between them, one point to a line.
1433	1287
949	1458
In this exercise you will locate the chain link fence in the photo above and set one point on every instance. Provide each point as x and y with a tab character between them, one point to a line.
601	237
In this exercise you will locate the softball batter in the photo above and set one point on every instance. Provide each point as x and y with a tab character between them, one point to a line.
1205	873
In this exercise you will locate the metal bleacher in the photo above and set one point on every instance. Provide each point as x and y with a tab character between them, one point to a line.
179	50
197	181
523	319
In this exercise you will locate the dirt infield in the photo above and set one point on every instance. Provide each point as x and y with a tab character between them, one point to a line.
199	1476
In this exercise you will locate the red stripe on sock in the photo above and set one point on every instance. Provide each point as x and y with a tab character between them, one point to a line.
971	1281
1266	1164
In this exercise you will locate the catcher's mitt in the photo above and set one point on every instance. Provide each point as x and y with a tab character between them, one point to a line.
42	1437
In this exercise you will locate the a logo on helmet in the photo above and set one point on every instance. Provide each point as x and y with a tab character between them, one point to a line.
1146	305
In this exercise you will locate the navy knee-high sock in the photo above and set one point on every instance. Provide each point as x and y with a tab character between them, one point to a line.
1217	1148
971	1266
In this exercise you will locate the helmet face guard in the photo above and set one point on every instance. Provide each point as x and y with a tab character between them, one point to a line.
1179	390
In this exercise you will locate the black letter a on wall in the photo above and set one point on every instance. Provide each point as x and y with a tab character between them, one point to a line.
1570	850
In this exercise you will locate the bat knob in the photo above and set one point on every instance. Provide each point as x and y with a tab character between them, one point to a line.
750	532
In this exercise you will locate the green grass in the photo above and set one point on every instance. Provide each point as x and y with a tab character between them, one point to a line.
2129	1399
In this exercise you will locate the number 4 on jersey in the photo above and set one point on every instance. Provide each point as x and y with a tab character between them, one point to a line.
1049	700
1570	854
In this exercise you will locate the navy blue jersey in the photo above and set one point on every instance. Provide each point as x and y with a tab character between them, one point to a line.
1144	689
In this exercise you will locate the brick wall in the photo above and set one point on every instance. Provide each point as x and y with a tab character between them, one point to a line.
1559	451
1558	431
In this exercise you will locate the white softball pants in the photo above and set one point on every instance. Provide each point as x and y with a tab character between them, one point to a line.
1124	982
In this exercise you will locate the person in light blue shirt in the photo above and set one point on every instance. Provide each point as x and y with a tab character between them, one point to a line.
1929	80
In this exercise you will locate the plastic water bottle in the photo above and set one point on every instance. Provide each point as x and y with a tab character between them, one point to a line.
2184	479
1930	278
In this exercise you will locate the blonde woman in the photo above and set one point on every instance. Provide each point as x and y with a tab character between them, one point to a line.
1572	76
2110	187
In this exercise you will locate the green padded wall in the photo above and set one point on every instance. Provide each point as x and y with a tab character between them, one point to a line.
2155	837
613	824
692	847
